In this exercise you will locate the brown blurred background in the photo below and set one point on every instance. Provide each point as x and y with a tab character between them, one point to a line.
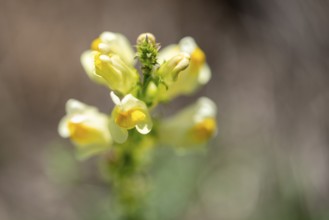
270	81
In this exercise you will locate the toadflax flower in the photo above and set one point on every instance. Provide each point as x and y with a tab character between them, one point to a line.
198	72
86	127
192	127
110	62
129	113
126	136
117	75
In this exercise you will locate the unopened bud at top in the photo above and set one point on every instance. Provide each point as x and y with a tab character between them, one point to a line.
146	37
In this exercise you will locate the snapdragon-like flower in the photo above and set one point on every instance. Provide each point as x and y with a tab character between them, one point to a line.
129	113
192	127
118	76
86	127
198	72
110	62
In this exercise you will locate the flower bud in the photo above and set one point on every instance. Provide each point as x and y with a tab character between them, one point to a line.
147	52
170	70
146	37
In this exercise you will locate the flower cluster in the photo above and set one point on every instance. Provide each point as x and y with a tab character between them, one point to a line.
176	70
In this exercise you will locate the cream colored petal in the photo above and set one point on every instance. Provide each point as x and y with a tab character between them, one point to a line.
126	49
187	44
145	127
108	37
88	63
204	75
74	106
62	127
116	100
119	134
168	52
120	45
130	102
205	108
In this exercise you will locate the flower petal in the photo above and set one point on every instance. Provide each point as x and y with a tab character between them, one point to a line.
62	128
204	75
115	98
187	44
144	127
74	106
204	108
119	134
119	45
129	102
168	52
88	63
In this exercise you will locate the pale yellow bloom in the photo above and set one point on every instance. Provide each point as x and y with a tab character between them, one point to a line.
116	47
88	63
129	113
114	43
192	127
198	72
117	75
110	70
86	127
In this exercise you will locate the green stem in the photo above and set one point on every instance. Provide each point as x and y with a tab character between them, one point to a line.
128	178
146	80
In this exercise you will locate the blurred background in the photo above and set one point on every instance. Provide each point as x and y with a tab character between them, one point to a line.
270	80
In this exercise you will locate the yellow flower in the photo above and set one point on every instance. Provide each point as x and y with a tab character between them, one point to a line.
198	72
129	113
88	63
192	127
86	127
117	75
116	47
111	71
